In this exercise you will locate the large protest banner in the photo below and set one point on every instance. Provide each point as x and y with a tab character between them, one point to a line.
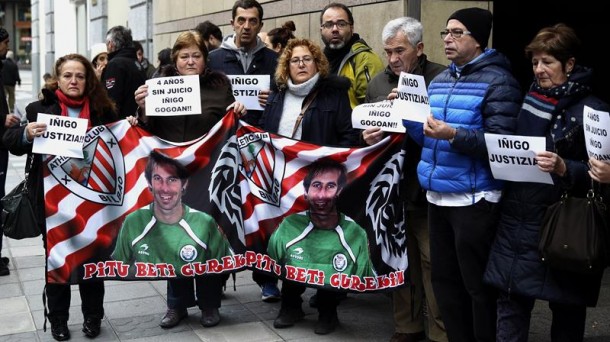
248	180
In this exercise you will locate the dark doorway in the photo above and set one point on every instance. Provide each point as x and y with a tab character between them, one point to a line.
516	23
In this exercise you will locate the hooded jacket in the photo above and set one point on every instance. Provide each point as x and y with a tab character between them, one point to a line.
233	60
359	65
122	76
484	98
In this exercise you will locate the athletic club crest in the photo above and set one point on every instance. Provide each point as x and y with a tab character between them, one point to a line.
100	175
262	165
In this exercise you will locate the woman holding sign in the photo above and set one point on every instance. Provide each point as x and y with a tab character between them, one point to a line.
553	108
310	105
189	55
74	91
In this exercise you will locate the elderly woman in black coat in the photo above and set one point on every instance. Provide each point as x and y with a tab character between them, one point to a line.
553	108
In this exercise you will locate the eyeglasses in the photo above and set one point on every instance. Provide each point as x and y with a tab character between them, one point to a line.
341	24
307	60
455	33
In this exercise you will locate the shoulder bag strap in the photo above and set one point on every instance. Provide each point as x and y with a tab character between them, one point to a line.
302	113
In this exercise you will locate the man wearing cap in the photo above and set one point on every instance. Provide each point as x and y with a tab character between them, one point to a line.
476	95
9	120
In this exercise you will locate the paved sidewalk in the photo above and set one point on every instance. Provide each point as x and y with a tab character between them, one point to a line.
133	309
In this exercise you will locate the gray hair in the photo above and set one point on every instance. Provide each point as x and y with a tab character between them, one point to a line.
411	27
120	36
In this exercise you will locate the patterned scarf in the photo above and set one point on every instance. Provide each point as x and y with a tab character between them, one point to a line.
541	107
83	104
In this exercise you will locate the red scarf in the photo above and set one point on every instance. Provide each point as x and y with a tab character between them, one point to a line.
65	102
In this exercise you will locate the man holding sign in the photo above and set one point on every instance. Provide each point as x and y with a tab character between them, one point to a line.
244	53
404	49
475	95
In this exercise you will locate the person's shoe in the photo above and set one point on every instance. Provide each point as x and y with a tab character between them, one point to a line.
4	271
288	317
408	337
270	293
327	322
59	330
172	318
5	260
91	326
210	317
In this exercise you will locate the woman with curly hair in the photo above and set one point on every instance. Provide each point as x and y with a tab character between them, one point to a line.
311	105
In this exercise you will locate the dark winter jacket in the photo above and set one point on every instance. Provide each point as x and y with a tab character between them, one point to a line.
122	76
216	96
10	73
227	59
13	140
328	119
514	262
485	98
378	90
4	110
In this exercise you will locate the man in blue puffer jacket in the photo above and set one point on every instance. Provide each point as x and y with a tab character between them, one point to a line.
475	95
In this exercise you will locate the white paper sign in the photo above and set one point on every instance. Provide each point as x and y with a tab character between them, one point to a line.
412	97
512	157
378	114
596	125
64	136
171	96
247	87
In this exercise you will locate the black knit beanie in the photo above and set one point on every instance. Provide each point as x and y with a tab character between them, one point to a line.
477	20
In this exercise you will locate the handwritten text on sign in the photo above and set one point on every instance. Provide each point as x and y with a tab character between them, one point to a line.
246	89
596	125
412	100
171	96
64	136
378	114
512	157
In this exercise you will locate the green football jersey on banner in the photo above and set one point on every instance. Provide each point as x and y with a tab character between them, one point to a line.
344	249
195	238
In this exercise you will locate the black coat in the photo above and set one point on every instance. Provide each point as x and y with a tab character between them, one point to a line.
10	73
122	76
216	96
327	121
4	110
13	140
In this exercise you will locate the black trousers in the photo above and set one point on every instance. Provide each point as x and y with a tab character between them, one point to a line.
91	295
291	297
460	241
204	291
3	169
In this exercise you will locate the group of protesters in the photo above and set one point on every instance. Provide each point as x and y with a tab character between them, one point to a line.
472	239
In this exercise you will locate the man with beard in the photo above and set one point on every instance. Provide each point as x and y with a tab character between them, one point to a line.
347	53
8	120
320	239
